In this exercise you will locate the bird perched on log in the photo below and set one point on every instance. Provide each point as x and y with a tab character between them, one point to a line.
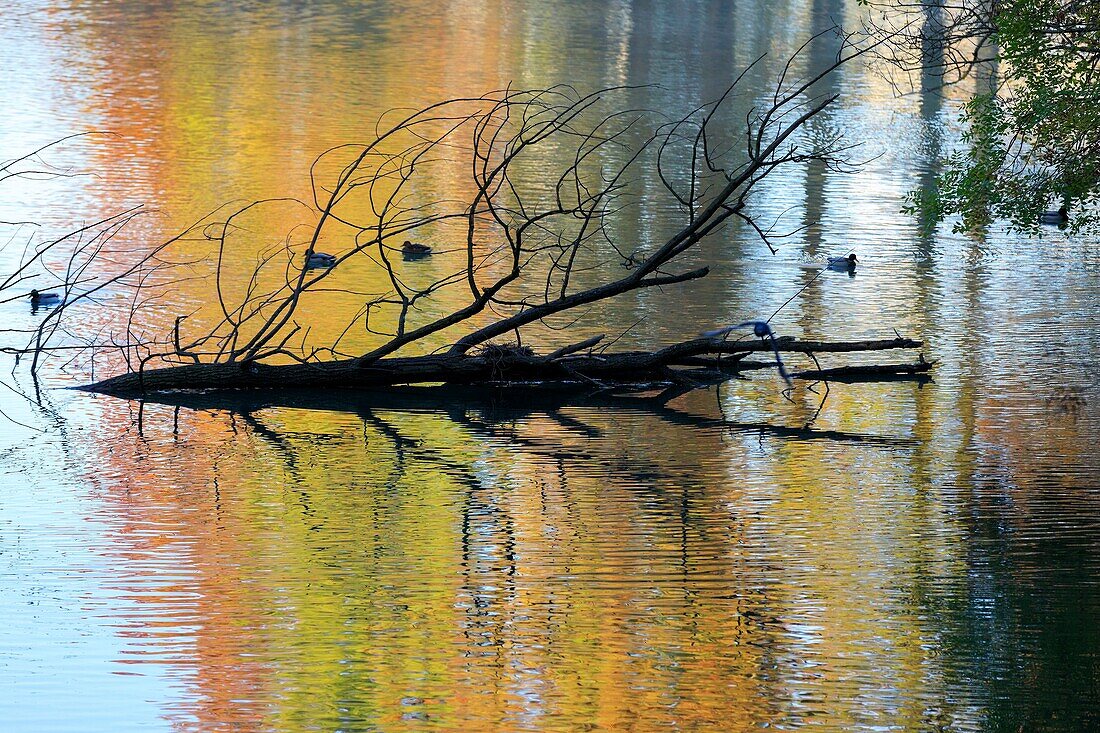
38	298
843	263
762	330
415	249
319	260
1057	218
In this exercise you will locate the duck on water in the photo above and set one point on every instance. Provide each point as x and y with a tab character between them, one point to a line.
412	250
319	260
1057	218
843	263
323	260
39	298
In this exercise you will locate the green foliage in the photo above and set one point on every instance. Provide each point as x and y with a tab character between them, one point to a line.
1033	143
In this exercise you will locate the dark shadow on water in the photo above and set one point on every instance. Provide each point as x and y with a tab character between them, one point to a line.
497	406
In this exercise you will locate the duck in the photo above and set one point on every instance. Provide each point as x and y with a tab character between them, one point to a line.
38	298
1061	216
317	260
843	263
415	249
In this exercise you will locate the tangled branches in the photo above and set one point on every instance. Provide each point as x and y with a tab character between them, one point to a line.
522	197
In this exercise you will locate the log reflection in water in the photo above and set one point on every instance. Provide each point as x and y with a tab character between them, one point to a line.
497	407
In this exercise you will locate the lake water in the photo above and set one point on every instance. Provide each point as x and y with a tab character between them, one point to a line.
894	556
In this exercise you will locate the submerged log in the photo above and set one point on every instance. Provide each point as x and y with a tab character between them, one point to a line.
869	372
698	361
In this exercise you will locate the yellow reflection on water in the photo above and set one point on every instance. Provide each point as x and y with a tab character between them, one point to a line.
393	565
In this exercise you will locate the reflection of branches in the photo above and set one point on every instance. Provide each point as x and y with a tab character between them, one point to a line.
9	418
501	407
824	395
943	43
1030	129
948	41
401	444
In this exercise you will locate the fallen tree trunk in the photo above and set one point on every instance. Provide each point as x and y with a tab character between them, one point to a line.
699	361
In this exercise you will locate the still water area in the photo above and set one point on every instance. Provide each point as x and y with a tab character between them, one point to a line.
912	555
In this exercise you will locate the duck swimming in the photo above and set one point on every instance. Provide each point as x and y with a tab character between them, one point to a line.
415	249
843	263
319	260
38	298
1061	216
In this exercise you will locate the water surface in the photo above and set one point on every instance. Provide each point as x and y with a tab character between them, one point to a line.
896	556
